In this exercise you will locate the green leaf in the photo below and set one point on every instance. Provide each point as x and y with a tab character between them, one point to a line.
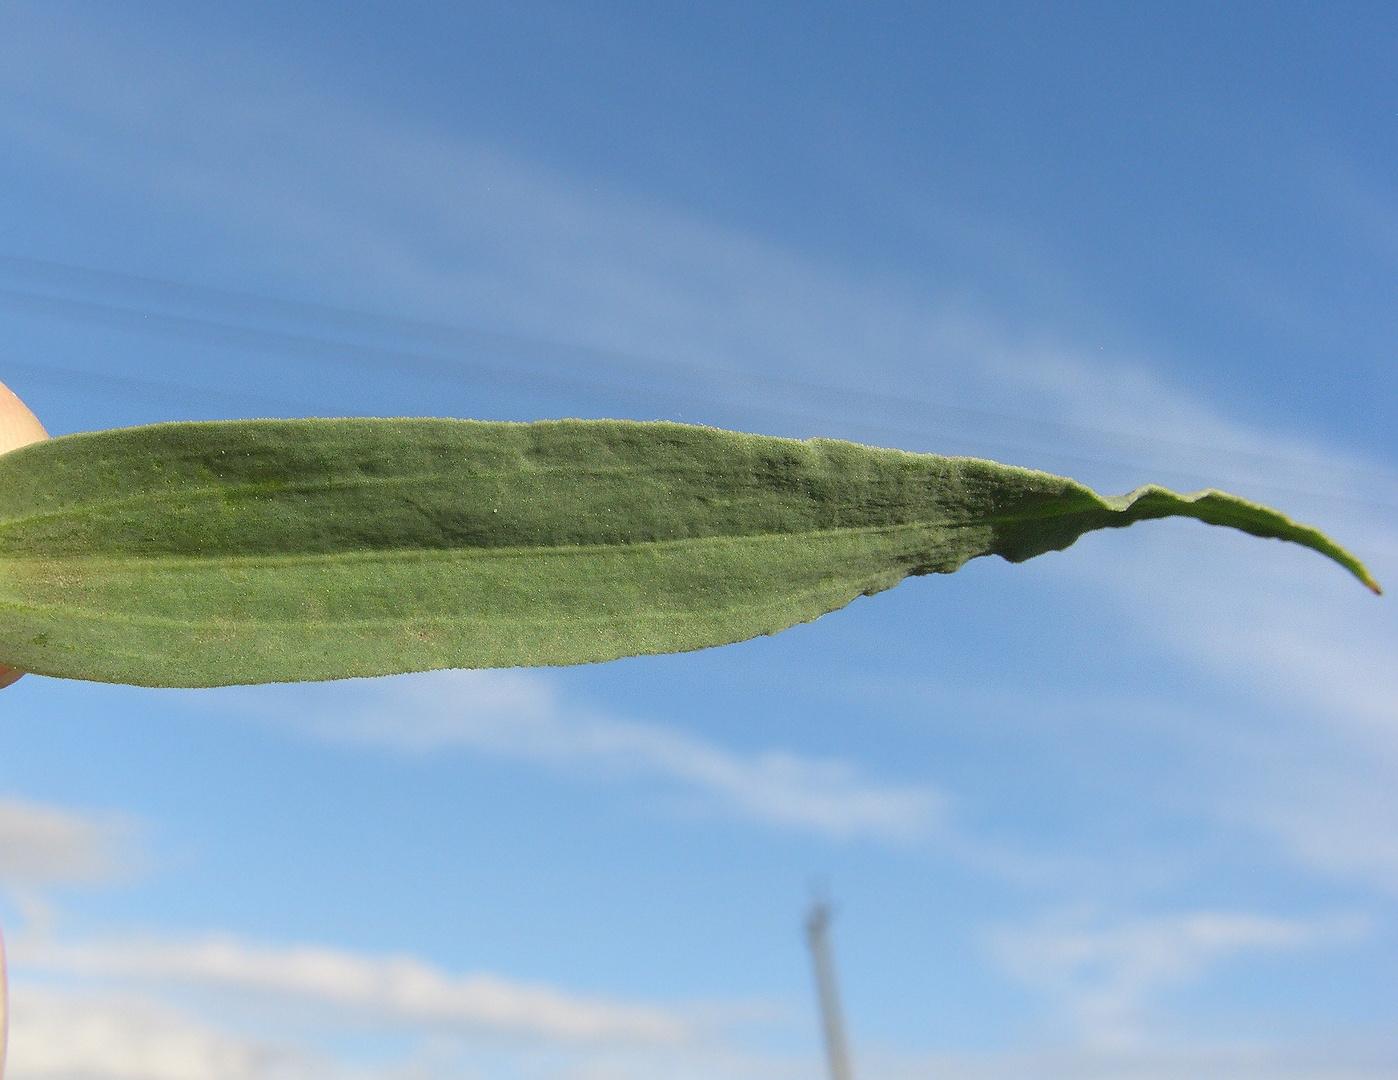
203	554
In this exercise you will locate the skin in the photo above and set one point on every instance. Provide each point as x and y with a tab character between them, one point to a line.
18	427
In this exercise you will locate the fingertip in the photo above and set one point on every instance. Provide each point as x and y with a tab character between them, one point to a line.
18	424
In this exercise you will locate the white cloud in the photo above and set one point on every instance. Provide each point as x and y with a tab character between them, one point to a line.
66	1034
516	714
1103	978
61	1035
42	845
102	1010
1209	1063
378	990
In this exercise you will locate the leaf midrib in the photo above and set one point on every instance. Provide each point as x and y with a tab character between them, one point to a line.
512	550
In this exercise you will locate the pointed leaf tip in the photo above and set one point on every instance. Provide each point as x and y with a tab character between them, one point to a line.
1222	508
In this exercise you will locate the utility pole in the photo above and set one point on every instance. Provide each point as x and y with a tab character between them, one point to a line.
832	1021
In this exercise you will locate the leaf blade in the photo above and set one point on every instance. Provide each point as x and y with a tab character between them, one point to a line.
251	551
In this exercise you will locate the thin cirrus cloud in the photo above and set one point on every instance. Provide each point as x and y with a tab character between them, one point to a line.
534	252
543	254
540	255
520	716
376	990
1104	977
136	1033
550	257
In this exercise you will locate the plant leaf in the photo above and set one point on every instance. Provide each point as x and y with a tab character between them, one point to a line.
204	554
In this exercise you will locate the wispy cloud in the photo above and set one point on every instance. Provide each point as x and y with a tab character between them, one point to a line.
45	845
378	989
119	1025
520	715
66	1035
134	1034
220	1008
1103	977
1348	1062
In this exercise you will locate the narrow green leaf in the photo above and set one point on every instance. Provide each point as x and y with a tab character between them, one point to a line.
203	554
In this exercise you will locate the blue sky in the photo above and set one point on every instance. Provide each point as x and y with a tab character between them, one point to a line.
1125	811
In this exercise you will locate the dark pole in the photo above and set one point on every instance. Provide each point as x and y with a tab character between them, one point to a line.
831	1019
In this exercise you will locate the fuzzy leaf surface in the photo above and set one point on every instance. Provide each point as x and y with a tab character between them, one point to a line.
214	553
